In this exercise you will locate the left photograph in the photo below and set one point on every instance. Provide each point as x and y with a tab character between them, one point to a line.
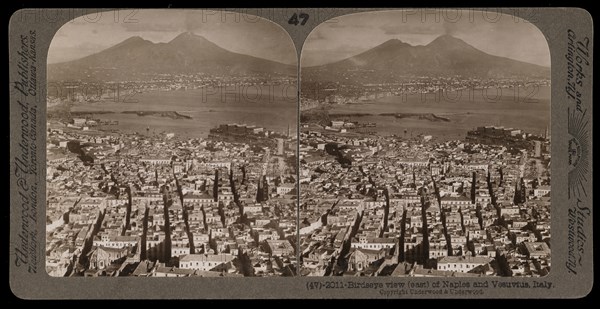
171	146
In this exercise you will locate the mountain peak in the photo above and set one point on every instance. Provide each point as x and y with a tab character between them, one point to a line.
447	40
188	36
134	39
138	59
392	42
131	42
446	55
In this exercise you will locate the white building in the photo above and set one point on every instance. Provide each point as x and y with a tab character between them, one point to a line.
110	241
463	264
541	191
206	262
374	243
156	161
285	189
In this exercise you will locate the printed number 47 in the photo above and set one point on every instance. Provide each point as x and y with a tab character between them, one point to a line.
294	19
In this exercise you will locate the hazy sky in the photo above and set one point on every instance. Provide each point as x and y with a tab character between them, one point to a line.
236	32
491	32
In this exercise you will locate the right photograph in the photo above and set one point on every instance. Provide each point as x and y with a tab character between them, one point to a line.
425	146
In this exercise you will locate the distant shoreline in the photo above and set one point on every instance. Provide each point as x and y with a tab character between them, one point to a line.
424	116
167	114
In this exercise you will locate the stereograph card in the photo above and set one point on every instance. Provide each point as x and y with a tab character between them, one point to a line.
301	153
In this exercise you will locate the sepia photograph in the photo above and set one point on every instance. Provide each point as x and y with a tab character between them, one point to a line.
171	146
305	153
425	146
